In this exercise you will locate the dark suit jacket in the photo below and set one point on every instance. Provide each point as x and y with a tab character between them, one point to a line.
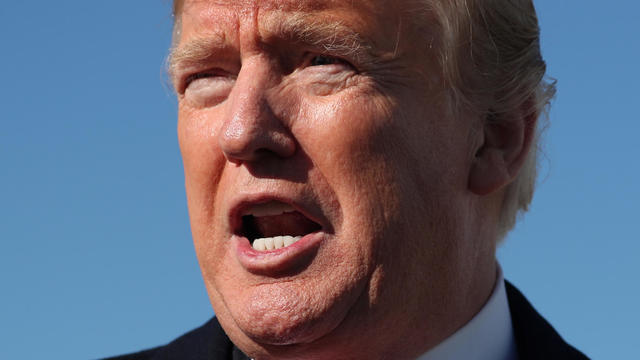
535	339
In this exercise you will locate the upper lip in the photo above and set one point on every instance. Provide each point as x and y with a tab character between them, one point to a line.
238	207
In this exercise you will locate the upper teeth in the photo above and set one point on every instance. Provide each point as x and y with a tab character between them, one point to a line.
269	209
276	242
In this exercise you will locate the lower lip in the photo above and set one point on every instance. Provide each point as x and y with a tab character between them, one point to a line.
279	260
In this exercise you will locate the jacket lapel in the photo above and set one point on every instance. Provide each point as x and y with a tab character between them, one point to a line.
535	337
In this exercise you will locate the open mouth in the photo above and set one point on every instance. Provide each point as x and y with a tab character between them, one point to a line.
275	225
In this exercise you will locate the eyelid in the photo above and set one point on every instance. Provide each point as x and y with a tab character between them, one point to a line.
186	80
200	75
340	60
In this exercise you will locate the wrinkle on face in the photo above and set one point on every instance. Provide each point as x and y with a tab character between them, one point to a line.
294	25
371	151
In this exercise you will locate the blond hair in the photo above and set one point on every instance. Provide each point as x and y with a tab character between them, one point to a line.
491	60
489	54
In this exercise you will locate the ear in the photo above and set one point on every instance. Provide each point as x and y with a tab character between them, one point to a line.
505	143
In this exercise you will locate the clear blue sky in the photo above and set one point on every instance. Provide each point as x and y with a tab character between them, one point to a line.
95	249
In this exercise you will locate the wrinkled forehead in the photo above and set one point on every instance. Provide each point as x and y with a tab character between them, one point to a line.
418	14
248	8
378	20
193	8
268	4
283	5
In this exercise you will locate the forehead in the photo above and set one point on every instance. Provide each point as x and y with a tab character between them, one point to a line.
366	16
269	4
246	6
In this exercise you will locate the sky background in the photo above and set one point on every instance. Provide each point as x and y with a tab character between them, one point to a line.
96	257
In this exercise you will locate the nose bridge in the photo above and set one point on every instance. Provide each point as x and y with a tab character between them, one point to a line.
246	106
250	127
249	93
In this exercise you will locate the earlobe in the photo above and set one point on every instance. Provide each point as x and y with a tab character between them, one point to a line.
505	144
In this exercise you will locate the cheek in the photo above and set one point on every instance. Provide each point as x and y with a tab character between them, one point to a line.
343	132
201	155
203	163
345	138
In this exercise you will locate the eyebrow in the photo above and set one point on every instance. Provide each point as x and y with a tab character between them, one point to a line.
333	37
195	51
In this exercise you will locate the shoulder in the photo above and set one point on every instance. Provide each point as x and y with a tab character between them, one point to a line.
535	337
206	342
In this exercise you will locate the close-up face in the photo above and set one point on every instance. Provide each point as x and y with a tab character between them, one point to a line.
325	178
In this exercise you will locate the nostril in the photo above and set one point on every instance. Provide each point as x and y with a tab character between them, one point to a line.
251	130
254	146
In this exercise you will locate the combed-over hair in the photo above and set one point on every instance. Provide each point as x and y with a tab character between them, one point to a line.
489	55
491	60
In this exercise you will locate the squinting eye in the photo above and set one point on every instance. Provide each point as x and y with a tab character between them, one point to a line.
198	76
320	60
208	88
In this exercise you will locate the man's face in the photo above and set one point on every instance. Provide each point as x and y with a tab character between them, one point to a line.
323	122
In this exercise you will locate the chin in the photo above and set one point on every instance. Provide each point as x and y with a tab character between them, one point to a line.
280	316
283	331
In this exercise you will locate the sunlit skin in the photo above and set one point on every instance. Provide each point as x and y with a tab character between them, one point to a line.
356	134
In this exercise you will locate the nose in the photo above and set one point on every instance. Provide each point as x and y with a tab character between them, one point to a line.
251	129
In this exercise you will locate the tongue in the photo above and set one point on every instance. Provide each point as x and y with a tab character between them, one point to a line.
292	224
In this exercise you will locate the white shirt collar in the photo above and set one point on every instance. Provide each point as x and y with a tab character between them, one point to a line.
487	336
